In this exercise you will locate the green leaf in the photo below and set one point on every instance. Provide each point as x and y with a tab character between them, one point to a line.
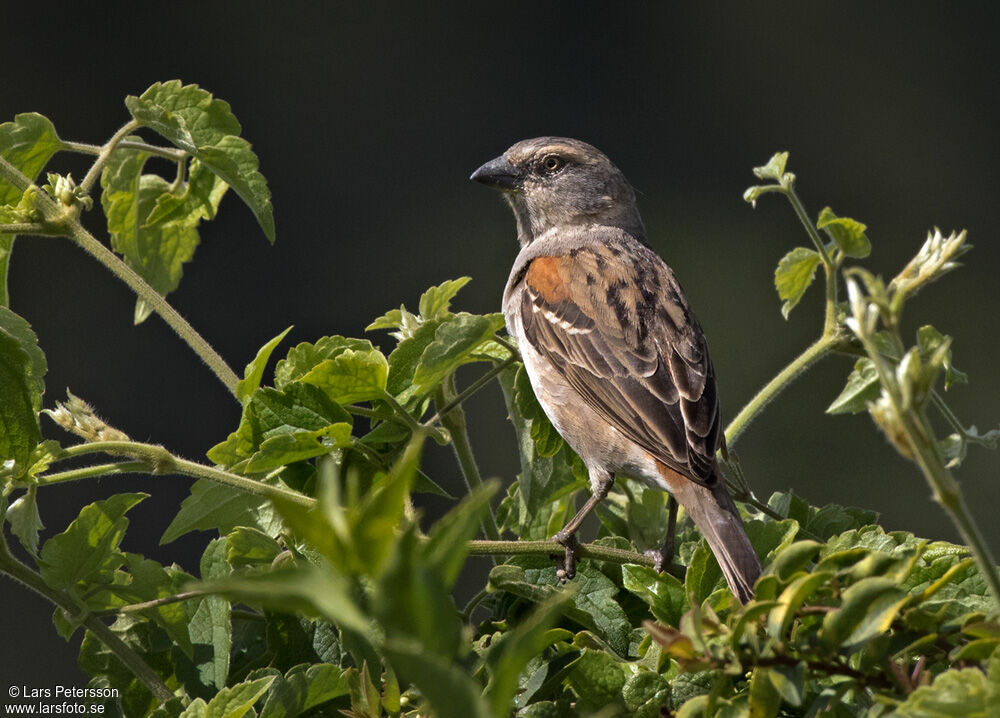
449	689
763	698
780	618
930	341
848	234
646	694
210	626
446	547
351	376
862	387
213	506
154	225
597	678
298	445
304	357
25	521
193	120
454	343
404	360
150	581
592	603
868	609
254	371
789	681
774	169
22	366
87	551
662	592
793	276
28	143
822	522
246	546
436	301
234	702
964	693
304	687
510	654
316	591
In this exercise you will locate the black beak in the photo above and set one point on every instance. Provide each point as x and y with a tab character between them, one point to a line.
498	173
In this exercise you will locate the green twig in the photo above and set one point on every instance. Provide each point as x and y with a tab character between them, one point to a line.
57	215
84	148
161	461
551	548
36	228
454	422
132	660
471	389
88	472
105	153
816	351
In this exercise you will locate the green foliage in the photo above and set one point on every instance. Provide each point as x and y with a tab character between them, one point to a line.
322	590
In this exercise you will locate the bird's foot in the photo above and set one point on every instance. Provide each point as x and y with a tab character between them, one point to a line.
662	556
569	542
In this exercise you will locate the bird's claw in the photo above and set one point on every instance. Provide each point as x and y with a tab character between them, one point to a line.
661	556
569	542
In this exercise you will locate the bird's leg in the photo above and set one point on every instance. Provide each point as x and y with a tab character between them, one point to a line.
665	554
567	536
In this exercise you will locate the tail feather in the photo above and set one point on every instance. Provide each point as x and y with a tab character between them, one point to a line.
714	513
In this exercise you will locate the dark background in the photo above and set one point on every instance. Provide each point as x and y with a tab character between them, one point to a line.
367	124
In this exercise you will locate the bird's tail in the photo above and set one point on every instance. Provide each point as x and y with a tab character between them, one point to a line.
714	513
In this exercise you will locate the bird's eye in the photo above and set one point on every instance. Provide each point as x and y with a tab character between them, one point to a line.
551	164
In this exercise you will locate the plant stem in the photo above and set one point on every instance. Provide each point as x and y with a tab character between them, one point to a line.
156	602
471	389
132	660
36	228
87	472
102	157
161	461
813	353
65	217
550	548
84	148
454	422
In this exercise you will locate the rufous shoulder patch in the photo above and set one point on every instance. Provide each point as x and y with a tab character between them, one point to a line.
543	277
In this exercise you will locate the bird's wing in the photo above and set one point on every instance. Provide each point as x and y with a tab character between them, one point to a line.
616	325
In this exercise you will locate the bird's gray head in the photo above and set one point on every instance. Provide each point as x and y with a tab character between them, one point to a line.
553	182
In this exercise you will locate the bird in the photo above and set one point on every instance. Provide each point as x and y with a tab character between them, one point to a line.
613	352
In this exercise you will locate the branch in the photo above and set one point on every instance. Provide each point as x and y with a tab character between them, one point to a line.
132	660
551	548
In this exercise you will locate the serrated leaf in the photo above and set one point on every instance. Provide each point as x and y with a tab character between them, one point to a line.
298	445
848	234
454	343
154	227
646	693
28	143
862	387
663	593
150	581
234	702
210	626
213	506
25	521
436	301
19	329
592	604
793	276
964	693
254	371
304	687
246	546
352	375
191	119
597	678
87	551
20	395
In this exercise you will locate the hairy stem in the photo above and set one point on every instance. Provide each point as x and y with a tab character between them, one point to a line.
89	472
454	422
105	153
84	148
160	461
66	217
471	389
551	548
813	353
132	660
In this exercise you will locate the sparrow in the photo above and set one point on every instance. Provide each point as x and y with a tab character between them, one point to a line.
615	356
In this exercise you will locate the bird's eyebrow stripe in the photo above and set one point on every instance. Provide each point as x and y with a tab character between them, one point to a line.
543	277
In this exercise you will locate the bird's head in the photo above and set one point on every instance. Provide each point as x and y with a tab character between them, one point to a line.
556	182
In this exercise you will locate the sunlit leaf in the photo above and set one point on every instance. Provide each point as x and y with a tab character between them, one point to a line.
793	276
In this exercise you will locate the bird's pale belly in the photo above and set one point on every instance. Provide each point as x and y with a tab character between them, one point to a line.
602	447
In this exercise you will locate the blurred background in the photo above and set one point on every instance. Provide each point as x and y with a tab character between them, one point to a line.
368	121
